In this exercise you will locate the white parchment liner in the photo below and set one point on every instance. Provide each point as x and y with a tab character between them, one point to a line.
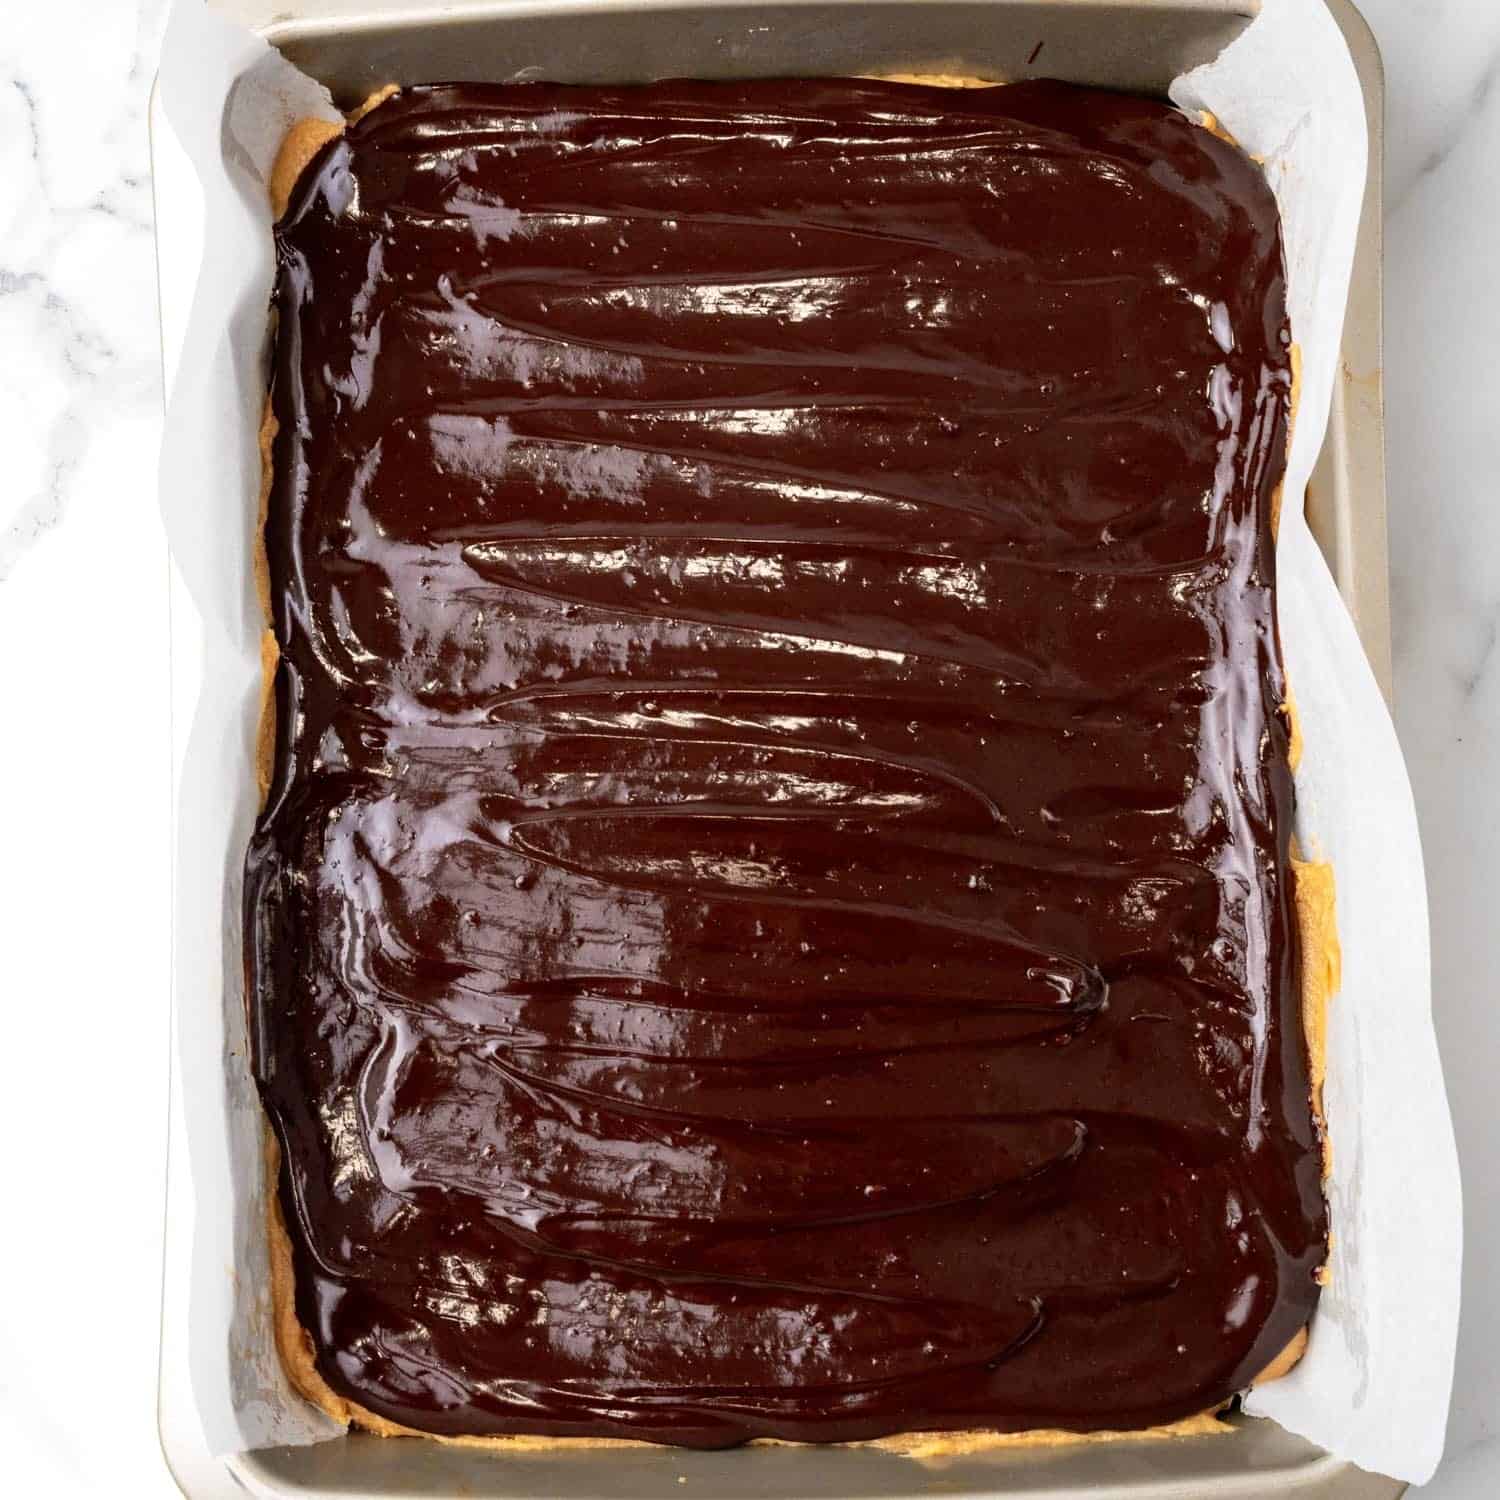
1374	1385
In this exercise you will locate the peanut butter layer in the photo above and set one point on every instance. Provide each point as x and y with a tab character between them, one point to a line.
772	916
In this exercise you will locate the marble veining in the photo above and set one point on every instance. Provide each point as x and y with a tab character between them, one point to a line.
76	185
1442	393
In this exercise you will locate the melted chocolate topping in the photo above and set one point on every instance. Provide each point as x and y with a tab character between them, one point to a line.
773	914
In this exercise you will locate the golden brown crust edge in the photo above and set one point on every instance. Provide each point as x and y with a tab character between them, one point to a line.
1314	913
270	653
301	143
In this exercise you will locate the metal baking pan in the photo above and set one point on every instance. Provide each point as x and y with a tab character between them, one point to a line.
355	46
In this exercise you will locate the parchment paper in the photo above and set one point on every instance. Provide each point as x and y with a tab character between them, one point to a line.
1374	1385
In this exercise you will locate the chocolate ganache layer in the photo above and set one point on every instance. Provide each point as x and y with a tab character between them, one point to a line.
772	916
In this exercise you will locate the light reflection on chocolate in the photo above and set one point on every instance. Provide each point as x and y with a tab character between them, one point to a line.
772	914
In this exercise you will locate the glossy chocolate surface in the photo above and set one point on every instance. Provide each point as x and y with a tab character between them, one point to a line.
773	915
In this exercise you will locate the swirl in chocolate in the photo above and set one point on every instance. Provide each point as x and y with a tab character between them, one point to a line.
772	916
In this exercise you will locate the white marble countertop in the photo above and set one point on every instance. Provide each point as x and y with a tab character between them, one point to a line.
84	684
